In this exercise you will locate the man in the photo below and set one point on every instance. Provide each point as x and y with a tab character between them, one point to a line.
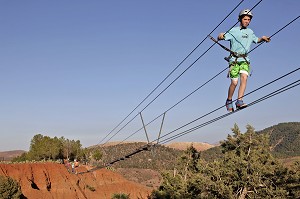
240	39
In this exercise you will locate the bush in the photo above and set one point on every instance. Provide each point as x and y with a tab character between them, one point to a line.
9	188
90	188
120	196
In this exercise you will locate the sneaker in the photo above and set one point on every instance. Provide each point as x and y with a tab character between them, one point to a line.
240	104
229	105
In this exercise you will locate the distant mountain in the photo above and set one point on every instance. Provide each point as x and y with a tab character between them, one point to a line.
284	139
200	146
9	155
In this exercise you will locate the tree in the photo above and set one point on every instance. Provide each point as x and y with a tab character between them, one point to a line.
45	147
175	184
23	157
246	170
55	148
9	188
36	148
97	155
71	148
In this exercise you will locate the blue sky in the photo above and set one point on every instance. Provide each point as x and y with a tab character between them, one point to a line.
76	69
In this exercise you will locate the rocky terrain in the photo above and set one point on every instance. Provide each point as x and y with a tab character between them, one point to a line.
52	180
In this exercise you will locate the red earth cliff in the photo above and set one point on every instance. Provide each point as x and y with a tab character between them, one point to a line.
52	180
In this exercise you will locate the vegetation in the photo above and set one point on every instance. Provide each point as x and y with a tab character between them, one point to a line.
9	188
284	139
120	196
91	188
97	155
159	158
245	165
212	154
46	148
246	169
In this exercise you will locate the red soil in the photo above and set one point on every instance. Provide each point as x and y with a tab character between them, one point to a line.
52	180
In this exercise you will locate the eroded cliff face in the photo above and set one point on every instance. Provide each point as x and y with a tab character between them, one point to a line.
52	180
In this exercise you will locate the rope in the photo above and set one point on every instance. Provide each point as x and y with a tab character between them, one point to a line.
244	95
276	32
164	81
267	84
283	89
168	139
171	82
201	87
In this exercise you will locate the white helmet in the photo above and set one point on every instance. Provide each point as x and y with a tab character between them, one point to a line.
245	12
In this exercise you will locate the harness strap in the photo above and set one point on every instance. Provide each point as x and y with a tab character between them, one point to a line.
232	53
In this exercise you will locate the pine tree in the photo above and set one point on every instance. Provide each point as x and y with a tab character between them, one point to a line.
9	188
175	184
246	170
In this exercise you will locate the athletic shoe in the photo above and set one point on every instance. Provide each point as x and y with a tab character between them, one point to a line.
229	105
240	104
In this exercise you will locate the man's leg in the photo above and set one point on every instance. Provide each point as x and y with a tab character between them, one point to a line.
231	89
243	83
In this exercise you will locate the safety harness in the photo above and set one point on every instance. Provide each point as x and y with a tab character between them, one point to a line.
232	54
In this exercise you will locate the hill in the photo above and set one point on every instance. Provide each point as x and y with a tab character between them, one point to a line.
200	146
284	142
52	180
284	139
159	158
9	155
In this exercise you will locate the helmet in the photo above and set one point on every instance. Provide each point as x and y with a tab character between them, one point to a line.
245	12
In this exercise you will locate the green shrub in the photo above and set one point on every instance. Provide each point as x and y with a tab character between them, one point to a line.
120	196
9	188
90	188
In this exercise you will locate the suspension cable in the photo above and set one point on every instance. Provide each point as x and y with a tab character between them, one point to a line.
168	139
173	80
176	104
201	87
278	91
276	33
259	88
281	90
165	80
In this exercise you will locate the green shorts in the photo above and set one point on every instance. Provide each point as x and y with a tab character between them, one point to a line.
237	68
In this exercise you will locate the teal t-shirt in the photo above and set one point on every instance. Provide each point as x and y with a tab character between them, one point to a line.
240	41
